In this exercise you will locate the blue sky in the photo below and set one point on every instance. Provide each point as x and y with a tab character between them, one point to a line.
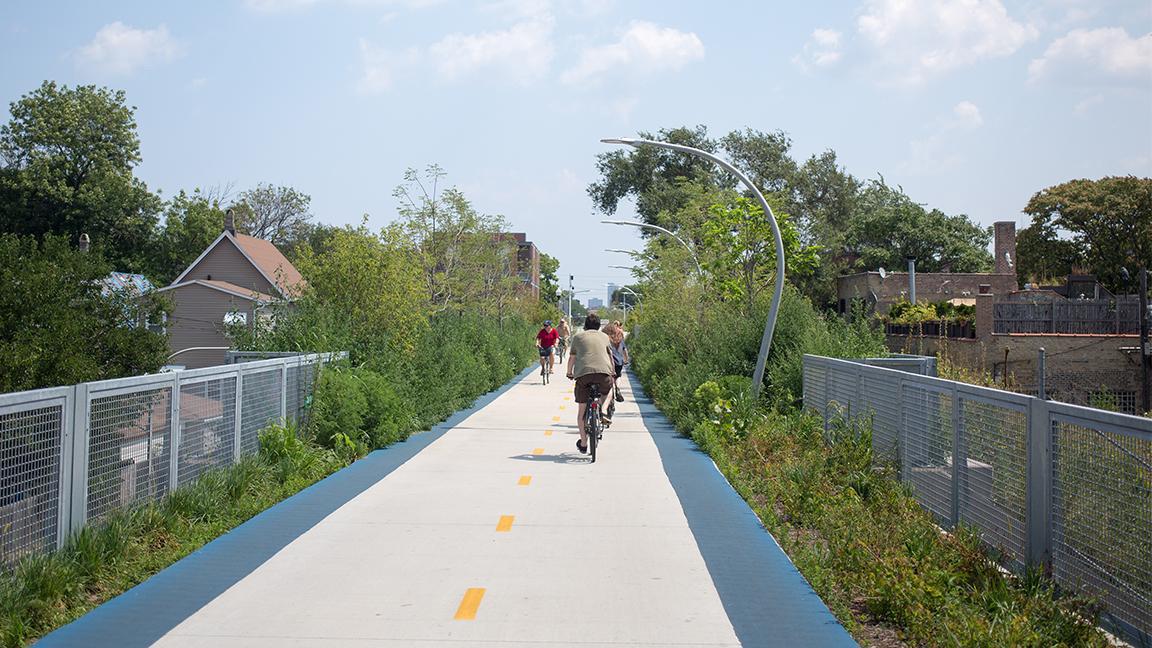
970	105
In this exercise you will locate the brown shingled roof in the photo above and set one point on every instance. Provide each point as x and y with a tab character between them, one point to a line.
273	263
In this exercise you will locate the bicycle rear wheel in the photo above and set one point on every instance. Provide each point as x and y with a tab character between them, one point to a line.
593	435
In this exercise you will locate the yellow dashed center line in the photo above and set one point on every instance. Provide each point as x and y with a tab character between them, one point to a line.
567	398
538	451
505	523
555	419
470	604
524	480
561	407
547	432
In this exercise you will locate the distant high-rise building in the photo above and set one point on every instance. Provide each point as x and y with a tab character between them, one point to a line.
595	302
612	288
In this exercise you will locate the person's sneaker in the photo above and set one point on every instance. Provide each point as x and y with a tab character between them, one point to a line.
582	448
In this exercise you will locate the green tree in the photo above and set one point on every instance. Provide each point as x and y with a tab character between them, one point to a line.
464	257
277	214
66	167
1109	221
739	249
59	325
191	223
1042	256
549	282
889	227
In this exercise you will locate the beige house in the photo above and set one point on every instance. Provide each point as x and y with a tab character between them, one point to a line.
231	282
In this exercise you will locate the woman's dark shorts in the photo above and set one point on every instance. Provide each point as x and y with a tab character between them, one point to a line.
545	352
584	386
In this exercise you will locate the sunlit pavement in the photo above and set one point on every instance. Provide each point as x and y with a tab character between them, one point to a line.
492	530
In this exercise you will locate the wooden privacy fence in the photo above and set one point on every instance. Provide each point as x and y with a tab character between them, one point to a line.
1086	316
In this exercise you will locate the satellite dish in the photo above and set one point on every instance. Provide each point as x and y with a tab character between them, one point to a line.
1008	258
883	274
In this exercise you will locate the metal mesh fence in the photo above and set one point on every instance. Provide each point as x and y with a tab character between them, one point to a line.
259	406
926	447
993	485
71	456
207	427
1102	516
29	480
1037	479
129	448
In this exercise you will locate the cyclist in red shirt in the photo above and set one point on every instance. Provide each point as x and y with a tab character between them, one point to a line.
546	341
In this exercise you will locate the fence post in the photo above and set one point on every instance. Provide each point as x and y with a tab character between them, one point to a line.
901	430
827	393
1041	373
237	448
1039	489
64	468
283	392
78	504
959	455
174	434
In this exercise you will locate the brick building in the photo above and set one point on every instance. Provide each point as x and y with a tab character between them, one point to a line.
880	292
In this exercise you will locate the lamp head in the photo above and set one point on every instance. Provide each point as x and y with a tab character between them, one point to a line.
628	141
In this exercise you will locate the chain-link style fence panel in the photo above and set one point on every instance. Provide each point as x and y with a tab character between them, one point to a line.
207	426
71	456
1063	486
259	406
31	436
1102	514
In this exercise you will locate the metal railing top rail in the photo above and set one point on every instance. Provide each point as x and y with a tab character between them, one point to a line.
1139	425
33	396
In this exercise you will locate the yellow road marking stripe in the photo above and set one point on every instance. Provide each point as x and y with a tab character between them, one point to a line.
505	523
561	407
547	432
525	480
538	451
567	398
470	604
555	419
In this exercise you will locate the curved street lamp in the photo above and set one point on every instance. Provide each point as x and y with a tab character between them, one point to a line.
657	228
778	294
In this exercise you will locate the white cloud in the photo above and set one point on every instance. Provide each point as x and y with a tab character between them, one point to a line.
1086	105
967	114
912	42
821	51
523	51
1096	56
280	6
120	50
378	67
937	151
644	46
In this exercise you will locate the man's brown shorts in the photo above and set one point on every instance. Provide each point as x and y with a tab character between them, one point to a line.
584	386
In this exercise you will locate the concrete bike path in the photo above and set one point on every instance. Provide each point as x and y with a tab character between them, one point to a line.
494	532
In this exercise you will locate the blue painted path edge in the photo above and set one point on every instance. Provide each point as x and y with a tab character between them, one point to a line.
767	600
145	613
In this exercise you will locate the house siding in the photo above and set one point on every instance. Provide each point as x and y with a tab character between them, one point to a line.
226	263
197	320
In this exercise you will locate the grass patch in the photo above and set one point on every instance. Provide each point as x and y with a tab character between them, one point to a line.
42	593
871	552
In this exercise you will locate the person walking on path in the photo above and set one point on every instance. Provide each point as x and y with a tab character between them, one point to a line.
589	363
546	341
620	355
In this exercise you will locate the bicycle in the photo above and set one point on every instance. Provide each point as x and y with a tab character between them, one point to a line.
544	366
561	347
592	426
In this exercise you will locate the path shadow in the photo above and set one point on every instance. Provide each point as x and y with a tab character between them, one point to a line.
562	458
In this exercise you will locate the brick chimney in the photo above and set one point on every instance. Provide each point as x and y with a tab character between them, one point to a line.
1005	247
